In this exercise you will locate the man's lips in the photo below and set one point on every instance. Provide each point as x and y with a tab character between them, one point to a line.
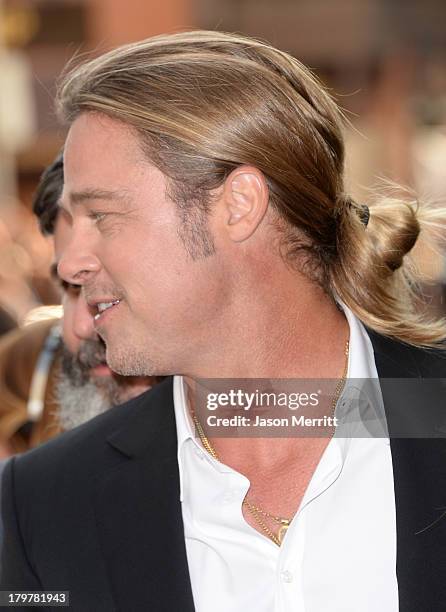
102	306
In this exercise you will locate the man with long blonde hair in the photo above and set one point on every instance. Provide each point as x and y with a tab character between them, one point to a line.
212	237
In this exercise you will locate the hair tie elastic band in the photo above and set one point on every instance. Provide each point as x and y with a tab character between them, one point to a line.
363	212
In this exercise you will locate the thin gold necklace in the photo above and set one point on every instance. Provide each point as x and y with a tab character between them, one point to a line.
256	512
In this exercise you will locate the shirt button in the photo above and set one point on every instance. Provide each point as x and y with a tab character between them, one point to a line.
286	576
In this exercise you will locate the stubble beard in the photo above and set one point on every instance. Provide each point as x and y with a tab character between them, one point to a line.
133	364
128	359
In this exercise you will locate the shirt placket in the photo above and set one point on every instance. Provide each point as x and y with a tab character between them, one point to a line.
290	595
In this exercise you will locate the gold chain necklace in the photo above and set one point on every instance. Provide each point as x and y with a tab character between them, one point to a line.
256	512
253	509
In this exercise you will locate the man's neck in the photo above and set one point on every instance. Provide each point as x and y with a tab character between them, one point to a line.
277	335
283	336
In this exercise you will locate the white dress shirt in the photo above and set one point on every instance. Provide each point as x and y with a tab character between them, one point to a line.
339	553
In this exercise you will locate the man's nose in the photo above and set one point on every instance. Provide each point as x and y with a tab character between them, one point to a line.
77	264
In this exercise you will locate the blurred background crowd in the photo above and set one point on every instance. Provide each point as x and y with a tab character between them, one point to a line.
383	60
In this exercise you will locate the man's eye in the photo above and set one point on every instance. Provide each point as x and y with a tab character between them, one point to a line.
96	216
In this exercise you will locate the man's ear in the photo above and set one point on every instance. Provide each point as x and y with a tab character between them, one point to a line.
245	201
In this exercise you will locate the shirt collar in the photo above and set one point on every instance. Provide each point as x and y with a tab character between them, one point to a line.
185	428
361	359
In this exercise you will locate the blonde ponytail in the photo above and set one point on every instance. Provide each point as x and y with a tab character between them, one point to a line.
375	274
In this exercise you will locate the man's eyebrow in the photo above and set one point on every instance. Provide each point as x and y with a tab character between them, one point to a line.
79	197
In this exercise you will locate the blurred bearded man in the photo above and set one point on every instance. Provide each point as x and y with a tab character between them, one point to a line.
213	239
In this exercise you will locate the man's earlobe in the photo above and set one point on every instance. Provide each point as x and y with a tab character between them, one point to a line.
246	199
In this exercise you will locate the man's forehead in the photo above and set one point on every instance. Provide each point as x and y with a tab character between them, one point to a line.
103	159
94	136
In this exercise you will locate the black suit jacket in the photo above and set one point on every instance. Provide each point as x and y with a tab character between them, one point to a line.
96	511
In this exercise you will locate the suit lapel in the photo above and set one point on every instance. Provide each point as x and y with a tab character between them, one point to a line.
138	512
419	470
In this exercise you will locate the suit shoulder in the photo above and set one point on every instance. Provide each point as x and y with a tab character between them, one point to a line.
65	472
412	361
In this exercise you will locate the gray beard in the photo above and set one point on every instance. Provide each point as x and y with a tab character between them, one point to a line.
78	404
81	397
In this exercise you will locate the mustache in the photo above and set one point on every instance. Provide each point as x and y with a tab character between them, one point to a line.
90	292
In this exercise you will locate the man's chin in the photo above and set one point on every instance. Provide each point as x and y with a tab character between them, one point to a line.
129	363
115	362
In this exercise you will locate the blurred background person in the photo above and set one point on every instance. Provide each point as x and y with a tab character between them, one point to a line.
53	374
